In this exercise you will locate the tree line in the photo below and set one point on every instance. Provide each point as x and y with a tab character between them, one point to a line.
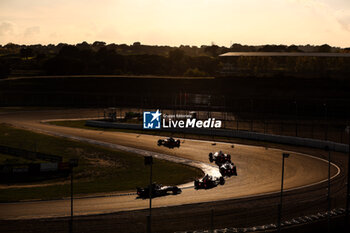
73	60
137	59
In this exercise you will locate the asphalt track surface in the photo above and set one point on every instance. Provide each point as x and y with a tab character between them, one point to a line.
259	170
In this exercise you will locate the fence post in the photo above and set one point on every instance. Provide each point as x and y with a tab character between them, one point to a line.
212	220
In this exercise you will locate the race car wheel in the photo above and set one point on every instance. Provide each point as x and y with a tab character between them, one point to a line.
196	183
176	191
211	157
222	180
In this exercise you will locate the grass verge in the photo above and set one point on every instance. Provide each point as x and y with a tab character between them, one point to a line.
100	169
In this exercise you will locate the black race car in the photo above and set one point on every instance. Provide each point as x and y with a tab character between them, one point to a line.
169	142
228	169
208	182
219	158
157	191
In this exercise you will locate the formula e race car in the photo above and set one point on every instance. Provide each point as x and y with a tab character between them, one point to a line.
219	158
169	142
158	190
228	169
208	182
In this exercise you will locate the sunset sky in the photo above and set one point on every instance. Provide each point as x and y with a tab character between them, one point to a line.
176	22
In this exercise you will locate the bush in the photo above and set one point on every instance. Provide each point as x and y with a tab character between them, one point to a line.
195	73
4	70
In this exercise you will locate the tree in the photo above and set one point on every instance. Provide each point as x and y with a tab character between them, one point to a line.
273	48
293	48
325	48
190	72
26	52
83	45
236	48
212	50
99	44
69	51
177	62
4	70
176	54
11	46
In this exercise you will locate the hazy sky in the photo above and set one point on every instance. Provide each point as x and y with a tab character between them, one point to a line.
176	22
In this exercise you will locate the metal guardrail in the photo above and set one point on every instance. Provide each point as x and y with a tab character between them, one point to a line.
292	222
29	154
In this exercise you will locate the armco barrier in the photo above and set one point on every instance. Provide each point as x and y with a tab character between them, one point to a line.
29	169
29	154
273	227
297	141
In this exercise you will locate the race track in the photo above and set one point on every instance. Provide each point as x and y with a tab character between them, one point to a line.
259	169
